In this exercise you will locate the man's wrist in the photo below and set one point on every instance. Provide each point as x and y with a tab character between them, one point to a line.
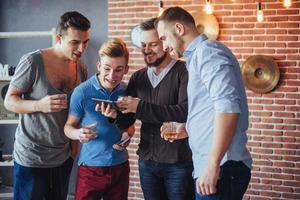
111	120
36	107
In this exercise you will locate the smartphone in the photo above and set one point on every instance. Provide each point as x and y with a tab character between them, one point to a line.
111	103
90	126
124	141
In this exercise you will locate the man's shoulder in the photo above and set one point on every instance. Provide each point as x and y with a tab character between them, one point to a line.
140	72
31	56
180	66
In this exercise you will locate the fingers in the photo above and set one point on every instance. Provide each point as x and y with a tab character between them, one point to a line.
119	147
85	135
57	96
128	104
59	102
206	188
106	110
98	107
207	182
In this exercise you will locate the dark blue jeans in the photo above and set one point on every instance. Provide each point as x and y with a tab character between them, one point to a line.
32	183
162	181
234	179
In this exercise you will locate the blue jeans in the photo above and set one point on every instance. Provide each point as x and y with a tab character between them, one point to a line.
162	181
31	183
234	179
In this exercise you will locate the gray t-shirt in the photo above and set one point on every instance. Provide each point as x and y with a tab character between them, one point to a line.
40	140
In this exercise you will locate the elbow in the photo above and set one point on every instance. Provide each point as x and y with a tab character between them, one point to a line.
7	104
66	131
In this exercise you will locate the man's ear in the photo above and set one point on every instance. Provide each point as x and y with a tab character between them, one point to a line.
58	38
126	69
98	66
179	29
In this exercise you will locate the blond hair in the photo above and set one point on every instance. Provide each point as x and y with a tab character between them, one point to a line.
114	48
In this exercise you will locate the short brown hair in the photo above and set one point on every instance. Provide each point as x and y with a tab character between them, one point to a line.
148	24
114	48
176	14
72	19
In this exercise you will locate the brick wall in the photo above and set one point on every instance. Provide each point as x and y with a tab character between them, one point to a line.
274	132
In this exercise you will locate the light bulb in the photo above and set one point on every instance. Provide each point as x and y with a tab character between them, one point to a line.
260	13
287	3
161	8
208	7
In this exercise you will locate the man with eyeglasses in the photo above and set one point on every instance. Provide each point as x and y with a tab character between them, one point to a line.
157	94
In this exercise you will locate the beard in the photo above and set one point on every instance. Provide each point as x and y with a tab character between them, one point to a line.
157	62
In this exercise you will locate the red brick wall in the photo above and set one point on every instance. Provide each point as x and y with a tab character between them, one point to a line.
274	132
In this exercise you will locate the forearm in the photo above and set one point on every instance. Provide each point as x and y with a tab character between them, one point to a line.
72	132
224	130
18	105
124	121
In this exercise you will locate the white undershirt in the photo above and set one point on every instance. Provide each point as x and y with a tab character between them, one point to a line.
155	79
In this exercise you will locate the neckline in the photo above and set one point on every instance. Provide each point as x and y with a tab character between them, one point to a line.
48	80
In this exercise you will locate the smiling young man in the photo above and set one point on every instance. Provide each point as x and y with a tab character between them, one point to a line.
103	169
218	112
38	91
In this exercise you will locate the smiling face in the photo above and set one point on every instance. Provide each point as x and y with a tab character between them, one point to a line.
152	48
170	39
111	71
73	43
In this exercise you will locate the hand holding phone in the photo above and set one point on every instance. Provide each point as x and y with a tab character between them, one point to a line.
124	141
109	102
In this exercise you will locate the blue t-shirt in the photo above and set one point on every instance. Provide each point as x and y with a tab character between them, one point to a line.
99	151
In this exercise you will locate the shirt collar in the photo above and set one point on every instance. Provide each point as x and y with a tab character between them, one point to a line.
96	83
152	69
193	45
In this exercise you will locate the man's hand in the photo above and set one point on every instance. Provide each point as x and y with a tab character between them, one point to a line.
207	183
52	103
171	131
128	104
122	147
106	110
87	133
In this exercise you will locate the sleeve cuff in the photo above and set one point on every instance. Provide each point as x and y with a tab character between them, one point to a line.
226	106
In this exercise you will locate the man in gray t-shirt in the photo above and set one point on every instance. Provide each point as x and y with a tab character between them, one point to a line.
39	92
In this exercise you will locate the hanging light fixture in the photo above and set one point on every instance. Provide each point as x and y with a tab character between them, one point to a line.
287	3
208	8
260	13
161	8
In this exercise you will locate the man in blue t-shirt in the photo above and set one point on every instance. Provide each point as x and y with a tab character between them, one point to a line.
103	166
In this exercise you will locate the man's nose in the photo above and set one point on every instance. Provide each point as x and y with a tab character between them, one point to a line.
81	47
147	49
112	74
165	47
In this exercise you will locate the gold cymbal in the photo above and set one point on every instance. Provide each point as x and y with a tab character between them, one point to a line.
260	73
207	24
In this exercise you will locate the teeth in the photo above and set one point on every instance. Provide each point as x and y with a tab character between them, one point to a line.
111	81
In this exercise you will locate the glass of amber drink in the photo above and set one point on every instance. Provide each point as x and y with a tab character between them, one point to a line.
169	130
